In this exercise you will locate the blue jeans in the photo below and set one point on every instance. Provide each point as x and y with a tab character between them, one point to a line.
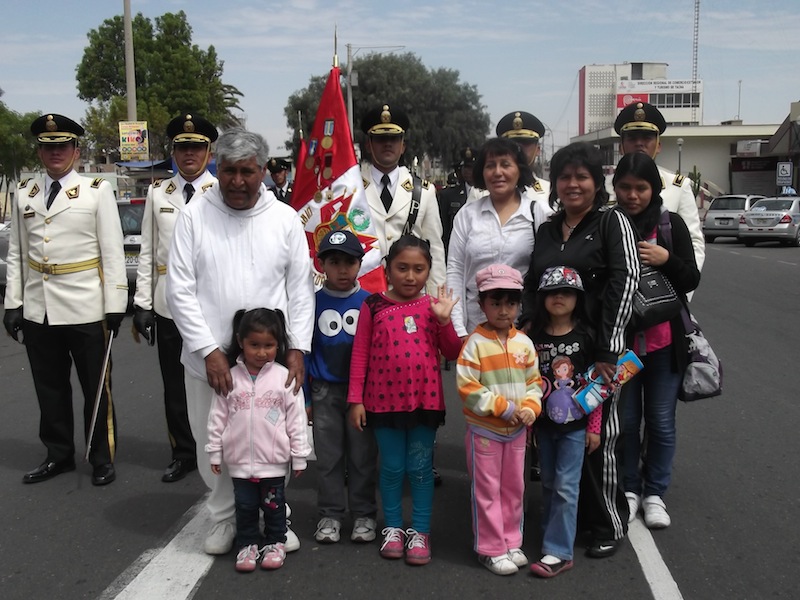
268	495
652	394
406	452
560	460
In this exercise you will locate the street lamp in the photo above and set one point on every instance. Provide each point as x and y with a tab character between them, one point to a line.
680	148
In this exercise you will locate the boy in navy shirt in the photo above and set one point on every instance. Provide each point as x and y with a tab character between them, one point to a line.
346	458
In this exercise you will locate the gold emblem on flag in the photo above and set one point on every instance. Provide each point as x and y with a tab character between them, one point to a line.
327	172
327	142
317	195
310	162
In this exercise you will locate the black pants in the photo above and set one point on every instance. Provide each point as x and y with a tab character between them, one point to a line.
268	496
51	352
602	506
169	358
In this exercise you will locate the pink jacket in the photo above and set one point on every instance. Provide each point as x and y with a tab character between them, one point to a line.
260	429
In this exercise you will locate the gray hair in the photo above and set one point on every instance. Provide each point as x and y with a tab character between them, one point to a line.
237	144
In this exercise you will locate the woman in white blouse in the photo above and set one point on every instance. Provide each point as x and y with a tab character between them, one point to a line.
498	228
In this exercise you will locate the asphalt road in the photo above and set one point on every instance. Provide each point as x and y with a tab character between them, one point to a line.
733	501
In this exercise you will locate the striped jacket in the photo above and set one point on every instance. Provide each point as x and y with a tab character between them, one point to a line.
495	378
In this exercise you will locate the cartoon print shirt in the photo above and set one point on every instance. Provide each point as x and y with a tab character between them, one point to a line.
562	359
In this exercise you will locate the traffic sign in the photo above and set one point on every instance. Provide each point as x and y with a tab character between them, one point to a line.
783	175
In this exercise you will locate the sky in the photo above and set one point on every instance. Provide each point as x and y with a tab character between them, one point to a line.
521	55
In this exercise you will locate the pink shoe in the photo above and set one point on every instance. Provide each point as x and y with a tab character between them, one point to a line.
393	542
247	558
418	549
274	555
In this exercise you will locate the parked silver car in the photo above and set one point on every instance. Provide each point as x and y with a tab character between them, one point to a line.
722	218
772	219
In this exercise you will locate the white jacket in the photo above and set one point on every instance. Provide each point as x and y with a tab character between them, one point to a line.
81	225
223	259
389	226
164	202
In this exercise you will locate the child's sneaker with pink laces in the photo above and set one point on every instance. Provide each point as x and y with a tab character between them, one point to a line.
247	558
394	541
418	548
274	555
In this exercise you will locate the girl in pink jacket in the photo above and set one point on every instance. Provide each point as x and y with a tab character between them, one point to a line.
259	430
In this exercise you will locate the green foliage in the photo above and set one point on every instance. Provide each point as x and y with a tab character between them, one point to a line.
17	145
445	114
172	76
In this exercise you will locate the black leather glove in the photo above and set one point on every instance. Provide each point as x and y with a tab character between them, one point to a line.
144	321
113	321
12	321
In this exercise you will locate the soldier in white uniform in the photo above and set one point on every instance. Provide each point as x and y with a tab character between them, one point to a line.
191	137
527	130
640	126
66	288
389	190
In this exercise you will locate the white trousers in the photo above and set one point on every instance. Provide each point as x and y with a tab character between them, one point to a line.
199	396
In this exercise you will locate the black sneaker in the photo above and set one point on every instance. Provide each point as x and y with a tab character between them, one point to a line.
602	548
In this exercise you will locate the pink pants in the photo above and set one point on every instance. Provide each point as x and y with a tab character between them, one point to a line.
498	483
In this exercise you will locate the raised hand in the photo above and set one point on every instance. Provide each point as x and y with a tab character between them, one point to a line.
443	305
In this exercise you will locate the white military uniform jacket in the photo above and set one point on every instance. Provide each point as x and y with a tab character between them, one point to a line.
165	200
678	197
50	249
389	226
539	192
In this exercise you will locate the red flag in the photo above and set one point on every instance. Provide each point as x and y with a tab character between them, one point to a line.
328	191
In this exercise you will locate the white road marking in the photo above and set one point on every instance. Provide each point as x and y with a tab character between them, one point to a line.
658	577
784	262
172	572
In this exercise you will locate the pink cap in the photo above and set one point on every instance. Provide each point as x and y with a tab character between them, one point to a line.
498	277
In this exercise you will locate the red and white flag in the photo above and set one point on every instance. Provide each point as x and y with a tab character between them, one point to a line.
328	191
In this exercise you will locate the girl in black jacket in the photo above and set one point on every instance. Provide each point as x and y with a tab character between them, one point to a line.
652	394
601	245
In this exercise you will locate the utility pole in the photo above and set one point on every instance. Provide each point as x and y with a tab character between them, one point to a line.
130	74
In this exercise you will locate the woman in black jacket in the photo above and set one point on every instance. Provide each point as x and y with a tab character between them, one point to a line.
601	245
652	394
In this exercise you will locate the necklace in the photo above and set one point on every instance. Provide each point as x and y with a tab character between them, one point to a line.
571	227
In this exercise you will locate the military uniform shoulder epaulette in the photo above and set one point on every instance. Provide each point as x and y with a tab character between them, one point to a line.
97	181
537	186
24	182
157	183
206	186
366	183
425	184
678	180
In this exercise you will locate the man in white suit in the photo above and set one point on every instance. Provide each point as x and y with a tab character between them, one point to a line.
66	288
389	188
191	137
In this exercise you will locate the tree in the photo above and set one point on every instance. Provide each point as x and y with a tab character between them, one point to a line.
17	147
445	113
172	76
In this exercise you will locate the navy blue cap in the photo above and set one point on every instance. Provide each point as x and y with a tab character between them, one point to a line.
342	240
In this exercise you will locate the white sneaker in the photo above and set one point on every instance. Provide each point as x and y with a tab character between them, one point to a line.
655	513
363	530
292	541
634	502
499	565
518	557
220	538
328	531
